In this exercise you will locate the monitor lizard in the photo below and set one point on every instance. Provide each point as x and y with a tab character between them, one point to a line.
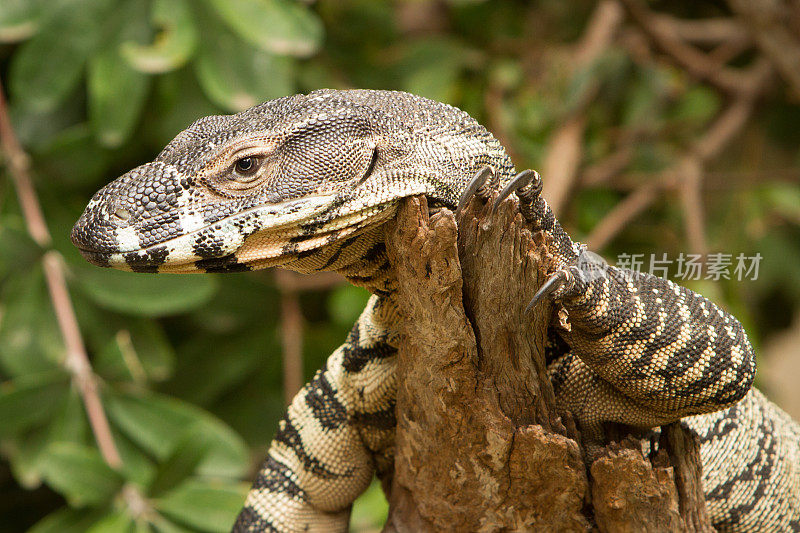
306	182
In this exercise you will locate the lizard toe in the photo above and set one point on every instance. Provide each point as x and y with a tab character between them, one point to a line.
560	280
573	279
477	186
527	185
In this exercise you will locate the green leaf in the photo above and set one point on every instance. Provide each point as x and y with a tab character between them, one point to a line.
69	424
117	91
68	520
37	129
19	19
27	450
70	158
178	100
239	305
370	510
116	522
236	76
174	44
162	525
431	68
140	526
30	402
698	105
279	26
203	506
182	462
137	351
201	376
117	94
138	467
346	302
157	422
48	67
145	294
18	251
784	198
80	474
153	348
30	341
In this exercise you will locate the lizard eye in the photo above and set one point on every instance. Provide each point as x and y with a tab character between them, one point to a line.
246	166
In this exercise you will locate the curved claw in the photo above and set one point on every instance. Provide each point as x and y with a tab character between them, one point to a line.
475	183
556	281
520	181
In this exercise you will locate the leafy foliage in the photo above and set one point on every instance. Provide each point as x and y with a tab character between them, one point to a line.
190	366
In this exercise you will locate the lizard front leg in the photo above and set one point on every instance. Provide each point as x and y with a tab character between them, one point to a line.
669	350
338	430
642	350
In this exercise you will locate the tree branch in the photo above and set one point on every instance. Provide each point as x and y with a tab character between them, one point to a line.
480	444
474	446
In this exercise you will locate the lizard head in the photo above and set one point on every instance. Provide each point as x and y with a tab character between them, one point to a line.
259	188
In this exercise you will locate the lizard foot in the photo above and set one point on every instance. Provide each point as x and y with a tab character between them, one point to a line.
479	185
558	280
572	279
528	186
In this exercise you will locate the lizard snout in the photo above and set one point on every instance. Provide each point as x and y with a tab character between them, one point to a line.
130	213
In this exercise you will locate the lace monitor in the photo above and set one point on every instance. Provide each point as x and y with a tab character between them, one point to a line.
306	182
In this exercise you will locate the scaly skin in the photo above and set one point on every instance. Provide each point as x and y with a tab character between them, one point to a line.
307	182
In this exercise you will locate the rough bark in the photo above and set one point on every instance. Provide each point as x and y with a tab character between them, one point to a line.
480	444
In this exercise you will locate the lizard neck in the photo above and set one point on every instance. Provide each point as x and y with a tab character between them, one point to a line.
361	258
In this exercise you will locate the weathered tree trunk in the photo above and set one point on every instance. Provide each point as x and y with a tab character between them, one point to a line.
480	445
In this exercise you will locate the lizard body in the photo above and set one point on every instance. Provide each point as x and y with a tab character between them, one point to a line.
306	183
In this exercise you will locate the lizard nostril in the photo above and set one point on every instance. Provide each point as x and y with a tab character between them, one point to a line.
121	215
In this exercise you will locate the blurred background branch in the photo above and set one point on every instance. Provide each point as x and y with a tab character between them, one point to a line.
290	284
774	25
565	147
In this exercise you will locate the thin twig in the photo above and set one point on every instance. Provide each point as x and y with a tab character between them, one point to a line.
291	334
495	118
18	165
608	167
623	212
76	360
708	31
290	284
690	170
734	118
562	158
729	50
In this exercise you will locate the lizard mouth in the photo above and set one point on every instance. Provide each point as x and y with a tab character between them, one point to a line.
257	238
